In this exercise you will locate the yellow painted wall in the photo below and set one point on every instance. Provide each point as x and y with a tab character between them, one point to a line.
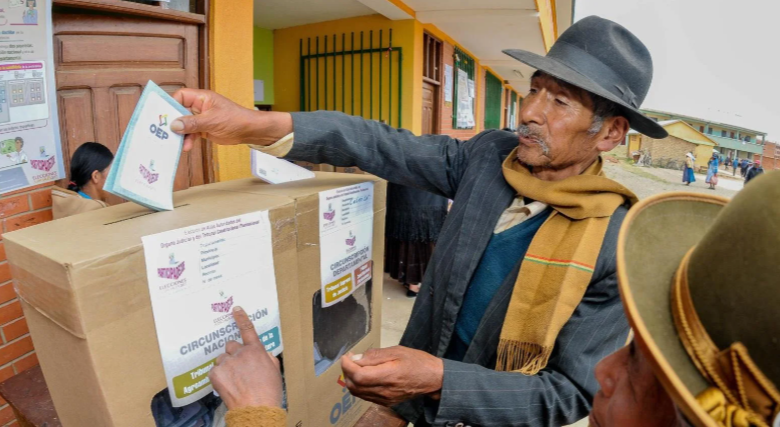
702	154
633	144
230	54
407	34
547	22
682	130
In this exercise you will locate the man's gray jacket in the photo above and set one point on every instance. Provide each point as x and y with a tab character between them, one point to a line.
469	172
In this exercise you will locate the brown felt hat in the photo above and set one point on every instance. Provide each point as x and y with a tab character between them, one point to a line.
700	281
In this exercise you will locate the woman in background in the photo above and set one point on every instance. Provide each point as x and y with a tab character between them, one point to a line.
88	172
414	220
712	170
688	177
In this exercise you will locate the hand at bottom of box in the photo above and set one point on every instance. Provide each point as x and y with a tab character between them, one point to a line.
389	376
247	375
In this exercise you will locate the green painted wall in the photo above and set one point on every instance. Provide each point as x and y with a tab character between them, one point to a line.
264	62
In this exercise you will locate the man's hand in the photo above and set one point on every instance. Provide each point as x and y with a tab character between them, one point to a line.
247	375
393	375
224	122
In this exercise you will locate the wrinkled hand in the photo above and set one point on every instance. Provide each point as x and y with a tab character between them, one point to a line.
393	375
247	375
224	122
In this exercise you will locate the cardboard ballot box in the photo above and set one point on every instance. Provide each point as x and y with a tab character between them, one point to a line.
349	169
83	285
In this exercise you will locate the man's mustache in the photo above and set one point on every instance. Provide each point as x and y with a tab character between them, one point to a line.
526	132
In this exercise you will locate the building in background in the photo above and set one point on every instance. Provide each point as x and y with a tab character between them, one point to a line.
733	141
429	66
771	158
670	151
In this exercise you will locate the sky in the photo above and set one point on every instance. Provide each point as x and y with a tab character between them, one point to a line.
713	59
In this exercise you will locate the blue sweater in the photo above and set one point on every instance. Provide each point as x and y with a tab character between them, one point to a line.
502	254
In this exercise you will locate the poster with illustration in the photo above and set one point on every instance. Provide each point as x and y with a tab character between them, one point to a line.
346	240
30	149
197	275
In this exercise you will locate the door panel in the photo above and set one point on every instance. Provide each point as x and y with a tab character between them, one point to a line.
428	108
76	125
102	63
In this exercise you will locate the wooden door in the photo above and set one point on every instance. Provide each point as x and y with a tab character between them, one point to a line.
102	63
428	108
431	96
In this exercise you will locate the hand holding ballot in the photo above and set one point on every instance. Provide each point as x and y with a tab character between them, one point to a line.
247	375
389	376
224	122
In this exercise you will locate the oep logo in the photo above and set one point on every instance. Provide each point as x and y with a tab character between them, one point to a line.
157	130
346	403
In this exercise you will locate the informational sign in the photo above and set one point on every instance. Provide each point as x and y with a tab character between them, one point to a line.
472	91
148	156
447	83
465	117
196	276
346	240
30	149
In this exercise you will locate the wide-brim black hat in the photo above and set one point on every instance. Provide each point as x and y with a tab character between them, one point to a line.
605	59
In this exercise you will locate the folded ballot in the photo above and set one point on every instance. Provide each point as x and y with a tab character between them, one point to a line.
276	171
145	164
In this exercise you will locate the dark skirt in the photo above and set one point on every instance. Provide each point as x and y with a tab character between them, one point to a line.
407	261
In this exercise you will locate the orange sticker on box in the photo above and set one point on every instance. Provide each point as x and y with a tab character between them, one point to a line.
363	273
335	290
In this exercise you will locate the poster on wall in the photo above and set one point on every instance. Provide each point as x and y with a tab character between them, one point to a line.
30	149
465	117
447	83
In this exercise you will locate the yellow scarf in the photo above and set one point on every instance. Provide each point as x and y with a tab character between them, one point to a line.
558	266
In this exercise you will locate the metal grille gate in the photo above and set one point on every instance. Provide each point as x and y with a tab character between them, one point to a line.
494	91
354	77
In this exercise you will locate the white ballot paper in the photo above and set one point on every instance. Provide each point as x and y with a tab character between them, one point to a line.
276	171
346	238
196	276
145	165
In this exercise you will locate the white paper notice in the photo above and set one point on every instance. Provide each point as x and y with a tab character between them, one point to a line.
447	83
471	89
259	90
346	238
196	276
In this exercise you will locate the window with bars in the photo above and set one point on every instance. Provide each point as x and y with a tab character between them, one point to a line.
511	122
464	64
494	90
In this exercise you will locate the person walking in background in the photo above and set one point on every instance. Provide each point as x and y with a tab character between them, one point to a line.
712	169
89	169
754	171
736	163
743	167
688	177
414	219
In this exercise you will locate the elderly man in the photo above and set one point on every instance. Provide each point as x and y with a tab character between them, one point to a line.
520	299
706	340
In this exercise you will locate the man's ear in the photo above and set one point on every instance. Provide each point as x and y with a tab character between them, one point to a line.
616	129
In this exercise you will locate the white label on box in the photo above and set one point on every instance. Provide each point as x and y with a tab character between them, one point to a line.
346	240
196	276
276	171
